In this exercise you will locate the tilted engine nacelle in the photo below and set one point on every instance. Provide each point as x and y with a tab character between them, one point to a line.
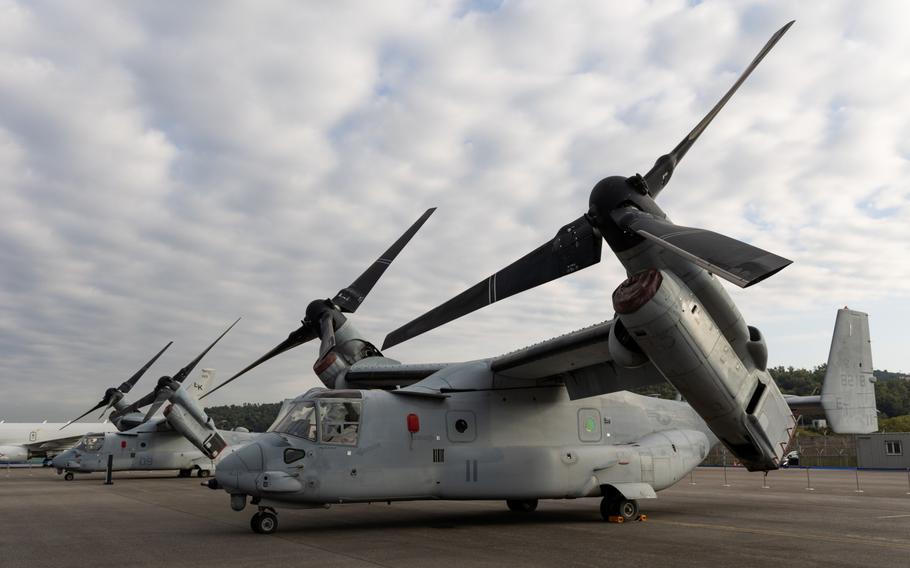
13	454
186	416
740	403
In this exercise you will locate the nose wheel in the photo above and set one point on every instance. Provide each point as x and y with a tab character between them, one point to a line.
265	521
68	476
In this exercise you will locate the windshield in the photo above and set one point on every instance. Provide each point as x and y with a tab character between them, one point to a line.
300	421
91	442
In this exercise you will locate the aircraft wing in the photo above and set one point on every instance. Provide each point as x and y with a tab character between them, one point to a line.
581	358
54	446
382	373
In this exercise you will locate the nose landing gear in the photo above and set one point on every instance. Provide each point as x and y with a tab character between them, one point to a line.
265	521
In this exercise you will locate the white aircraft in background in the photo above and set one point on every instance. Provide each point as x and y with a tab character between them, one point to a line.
21	441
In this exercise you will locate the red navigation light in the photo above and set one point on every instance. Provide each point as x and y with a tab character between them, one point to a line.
413	423
123	444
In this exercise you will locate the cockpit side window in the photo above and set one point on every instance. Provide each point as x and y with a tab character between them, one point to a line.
91	442
339	421
300	421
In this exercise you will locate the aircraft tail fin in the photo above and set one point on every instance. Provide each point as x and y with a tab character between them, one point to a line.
848	392
201	385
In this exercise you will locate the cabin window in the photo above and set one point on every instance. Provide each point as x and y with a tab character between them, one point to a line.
893	448
339	422
300	421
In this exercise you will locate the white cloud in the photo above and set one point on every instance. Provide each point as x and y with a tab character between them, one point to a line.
165	168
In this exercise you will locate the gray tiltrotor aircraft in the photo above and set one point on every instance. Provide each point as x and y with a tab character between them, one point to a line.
184	439
554	420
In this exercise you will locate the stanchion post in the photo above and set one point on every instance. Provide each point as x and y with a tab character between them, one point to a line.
109	471
726	484
856	472
808	481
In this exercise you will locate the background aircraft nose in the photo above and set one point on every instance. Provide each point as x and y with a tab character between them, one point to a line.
60	460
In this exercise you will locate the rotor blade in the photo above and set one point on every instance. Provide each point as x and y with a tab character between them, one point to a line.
146	400
659	175
184	372
327	334
128	385
92	409
159	400
350	298
106	408
297	337
733	260
576	246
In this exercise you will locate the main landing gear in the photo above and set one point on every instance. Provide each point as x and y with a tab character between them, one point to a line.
265	521
68	476
614	508
522	505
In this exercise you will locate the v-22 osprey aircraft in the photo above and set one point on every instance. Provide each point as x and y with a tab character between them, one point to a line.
183	439
554	420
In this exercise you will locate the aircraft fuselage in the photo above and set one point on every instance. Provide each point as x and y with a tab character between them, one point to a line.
523	443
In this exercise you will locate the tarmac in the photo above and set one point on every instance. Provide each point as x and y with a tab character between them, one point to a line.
147	519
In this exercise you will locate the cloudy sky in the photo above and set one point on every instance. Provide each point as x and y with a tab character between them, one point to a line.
166	167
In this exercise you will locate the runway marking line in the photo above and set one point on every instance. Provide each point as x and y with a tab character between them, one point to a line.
893	517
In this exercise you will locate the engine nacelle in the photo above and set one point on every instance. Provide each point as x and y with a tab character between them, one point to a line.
186	417
13	454
740	404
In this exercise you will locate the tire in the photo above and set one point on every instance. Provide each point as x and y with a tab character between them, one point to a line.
68	476
522	505
264	522
621	507
203	473
184	473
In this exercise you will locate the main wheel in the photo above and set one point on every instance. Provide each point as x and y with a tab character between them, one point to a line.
622	507
68	476
203	473
264	522
254	523
184	473
522	505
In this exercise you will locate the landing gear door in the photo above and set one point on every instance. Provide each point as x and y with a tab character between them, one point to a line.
461	426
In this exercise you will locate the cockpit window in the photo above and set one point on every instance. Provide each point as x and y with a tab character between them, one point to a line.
91	442
300	421
339	421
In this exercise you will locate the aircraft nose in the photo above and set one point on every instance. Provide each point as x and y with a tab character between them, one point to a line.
60	460
237	472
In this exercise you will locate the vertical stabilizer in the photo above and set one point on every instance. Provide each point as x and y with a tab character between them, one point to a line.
848	393
202	384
